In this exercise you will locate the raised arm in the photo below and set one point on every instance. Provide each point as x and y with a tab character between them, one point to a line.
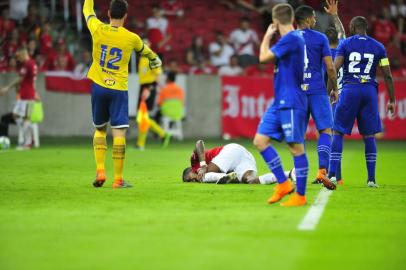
332	9
15	82
143	49
200	149
88	9
387	76
265	54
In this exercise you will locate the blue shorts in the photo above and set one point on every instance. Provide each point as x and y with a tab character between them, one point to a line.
320	109
109	106
358	102
288	124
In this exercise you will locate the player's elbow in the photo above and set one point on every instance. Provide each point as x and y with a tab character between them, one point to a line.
264	58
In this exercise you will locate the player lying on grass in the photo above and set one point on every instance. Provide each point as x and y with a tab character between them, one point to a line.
231	163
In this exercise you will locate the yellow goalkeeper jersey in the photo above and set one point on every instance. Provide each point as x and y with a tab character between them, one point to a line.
112	48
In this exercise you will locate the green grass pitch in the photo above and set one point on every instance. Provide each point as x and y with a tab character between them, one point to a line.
52	218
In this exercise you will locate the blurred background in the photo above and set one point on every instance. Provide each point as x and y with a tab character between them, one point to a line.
211	45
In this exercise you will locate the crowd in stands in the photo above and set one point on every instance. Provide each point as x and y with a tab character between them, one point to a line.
231	51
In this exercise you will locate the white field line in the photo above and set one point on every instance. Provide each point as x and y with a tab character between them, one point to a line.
312	217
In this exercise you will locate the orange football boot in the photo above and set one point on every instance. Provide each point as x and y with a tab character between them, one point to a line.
121	184
320	176
340	182
295	200
281	190
100	178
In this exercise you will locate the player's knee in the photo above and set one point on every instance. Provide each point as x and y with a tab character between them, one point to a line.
326	131
261	143
296	149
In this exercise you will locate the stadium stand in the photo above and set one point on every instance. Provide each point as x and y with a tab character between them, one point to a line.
48	25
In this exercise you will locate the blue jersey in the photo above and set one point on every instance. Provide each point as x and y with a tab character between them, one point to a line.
317	47
289	69
362	54
339	72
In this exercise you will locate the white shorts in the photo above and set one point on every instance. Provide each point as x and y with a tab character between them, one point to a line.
235	158
22	108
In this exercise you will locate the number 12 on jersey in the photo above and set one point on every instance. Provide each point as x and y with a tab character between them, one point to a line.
116	54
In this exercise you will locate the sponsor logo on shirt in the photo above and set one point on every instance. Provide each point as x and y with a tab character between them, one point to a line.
109	82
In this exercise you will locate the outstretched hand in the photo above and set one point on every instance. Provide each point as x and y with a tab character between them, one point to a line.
332	7
391	109
271	30
333	96
3	91
201	172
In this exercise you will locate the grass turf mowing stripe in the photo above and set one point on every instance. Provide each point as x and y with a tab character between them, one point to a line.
311	219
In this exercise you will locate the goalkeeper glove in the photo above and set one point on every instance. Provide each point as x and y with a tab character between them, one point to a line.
155	63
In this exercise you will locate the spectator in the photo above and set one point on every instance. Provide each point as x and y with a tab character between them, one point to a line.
173	8
171	91
384	30
233	69
202	68
83	66
12	43
172	67
32	21
398	14
6	25
61	59
220	51
3	62
259	70
196	53
45	39
323	19
245	40
159	33
18	9
32	48
12	65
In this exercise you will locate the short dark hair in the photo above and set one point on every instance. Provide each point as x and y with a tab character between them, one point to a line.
245	19
118	9
359	23
303	12
171	77
283	13
332	35
186	173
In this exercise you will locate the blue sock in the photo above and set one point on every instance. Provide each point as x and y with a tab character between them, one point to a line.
323	150
336	152
274	163
370	157
301	168
338	172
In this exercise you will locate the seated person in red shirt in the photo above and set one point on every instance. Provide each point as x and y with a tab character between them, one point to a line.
231	163
60	60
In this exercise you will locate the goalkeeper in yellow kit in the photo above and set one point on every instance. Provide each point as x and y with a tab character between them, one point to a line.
112	48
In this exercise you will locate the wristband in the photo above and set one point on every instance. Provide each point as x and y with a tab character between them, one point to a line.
203	163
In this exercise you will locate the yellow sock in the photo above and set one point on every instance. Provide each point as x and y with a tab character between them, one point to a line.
157	128
142	139
118	157
100	148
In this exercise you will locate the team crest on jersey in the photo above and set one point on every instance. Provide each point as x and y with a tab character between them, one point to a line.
109	82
